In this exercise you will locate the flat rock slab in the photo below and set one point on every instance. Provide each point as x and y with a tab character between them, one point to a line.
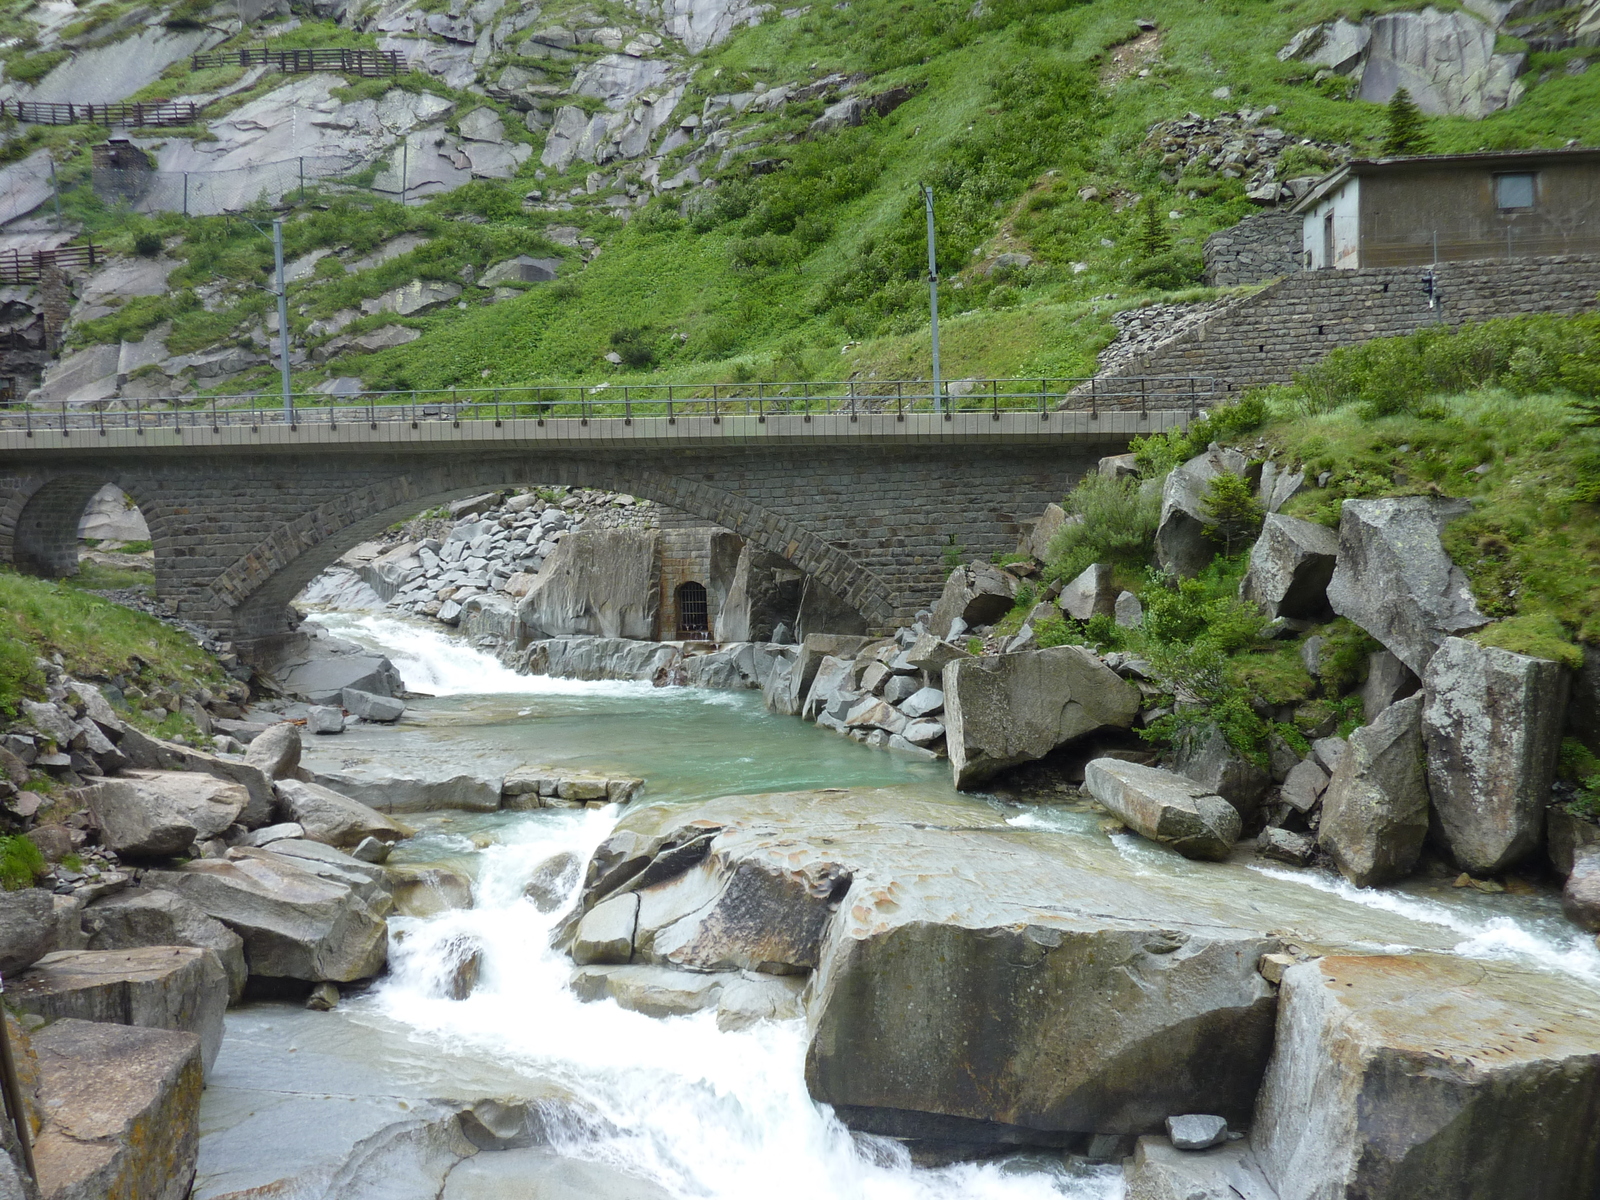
154	814
397	793
159	987
138	917
332	818
122	1108
1160	1171
1404	1076
1165	807
653	991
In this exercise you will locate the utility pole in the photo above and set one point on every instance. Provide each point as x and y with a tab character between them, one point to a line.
933	299
283	317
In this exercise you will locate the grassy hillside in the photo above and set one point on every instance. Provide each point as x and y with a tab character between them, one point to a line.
814	266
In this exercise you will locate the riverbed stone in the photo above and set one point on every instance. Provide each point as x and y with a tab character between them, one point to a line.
155	987
123	1105
1375	809
1395	580
1158	1170
1165	807
154	754
276	750
551	883
1400	1076
978	594
325	719
813	650
27	928
137	917
1491	723
1290	566
371	707
429	891
652	990
752	996
925	702
1205	755
1005	710
1196	1131
605	934
298	920
1580	898
392	793
331	818
155	814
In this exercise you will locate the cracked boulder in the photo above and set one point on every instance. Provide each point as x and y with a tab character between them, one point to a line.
1290	566
978	594
1009	709
1375	808
1165	807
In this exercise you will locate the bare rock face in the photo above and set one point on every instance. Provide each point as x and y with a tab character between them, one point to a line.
1491	721
1395	580
601	582
1397	1077
139	917
332	819
1205	756
155	814
157	987
1036	542
1181	542
1165	807
1375	810
1580	898
979	594
276	750
124	1111
301	917
1013	708
1290	567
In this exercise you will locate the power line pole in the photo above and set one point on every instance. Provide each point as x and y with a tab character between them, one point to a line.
283	317
933	299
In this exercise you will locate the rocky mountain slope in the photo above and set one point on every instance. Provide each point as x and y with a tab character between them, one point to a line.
701	190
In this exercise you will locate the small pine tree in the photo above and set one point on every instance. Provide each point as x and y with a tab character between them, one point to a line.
1403	128
1236	515
1154	236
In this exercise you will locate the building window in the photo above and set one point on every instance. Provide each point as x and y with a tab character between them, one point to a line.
1513	191
694	617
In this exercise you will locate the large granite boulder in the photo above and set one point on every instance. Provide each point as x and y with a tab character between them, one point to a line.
333	819
1375	808
27	928
1165	807
1491	722
1395	580
979	594
123	1105
276	750
157	987
1290	566
1091	594
1182	542
153	754
156	814
601	582
1204	754
139	917
1421	1075
1036	541
813	649
1009	709
301	917
377	788
932	654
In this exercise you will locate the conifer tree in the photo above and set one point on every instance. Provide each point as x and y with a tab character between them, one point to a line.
1154	237
1403	128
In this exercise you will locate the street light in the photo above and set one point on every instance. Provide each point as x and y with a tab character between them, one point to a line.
281	291
933	298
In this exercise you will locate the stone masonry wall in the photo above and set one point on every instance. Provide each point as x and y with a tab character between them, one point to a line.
1265	338
1260	247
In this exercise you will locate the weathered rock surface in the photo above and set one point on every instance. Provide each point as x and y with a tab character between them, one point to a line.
393	793
605	934
1388	680
301	917
139	917
276	751
333	819
157	987
27	928
155	814
1290	566
653	991
148	753
599	582
1091	594
370	707
1204	755
1160	1171
429	891
1165	807
1580	898
1182	544
1011	709
1491	722
1395	580
1375	809
978	594
1406	1076
124	1111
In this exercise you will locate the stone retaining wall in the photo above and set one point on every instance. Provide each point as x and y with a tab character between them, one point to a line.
1260	247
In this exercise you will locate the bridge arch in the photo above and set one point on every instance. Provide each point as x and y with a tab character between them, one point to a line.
251	596
40	517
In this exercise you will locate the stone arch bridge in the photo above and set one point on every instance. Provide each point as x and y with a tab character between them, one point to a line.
243	516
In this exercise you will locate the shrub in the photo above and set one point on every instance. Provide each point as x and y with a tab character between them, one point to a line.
633	346
1160	452
148	245
1167	272
20	863
1230	503
1118	525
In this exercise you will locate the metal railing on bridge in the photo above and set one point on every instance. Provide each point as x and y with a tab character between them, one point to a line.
369	63
625	403
136	114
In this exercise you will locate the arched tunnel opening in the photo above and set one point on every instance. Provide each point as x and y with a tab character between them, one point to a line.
84	526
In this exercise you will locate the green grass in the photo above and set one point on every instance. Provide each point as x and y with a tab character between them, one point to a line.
20	863
93	577
95	638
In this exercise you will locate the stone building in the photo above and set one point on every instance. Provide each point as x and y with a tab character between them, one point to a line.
1404	212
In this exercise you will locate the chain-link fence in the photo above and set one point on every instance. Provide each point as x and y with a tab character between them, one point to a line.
211	193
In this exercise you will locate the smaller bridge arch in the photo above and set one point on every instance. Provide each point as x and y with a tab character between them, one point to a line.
39	520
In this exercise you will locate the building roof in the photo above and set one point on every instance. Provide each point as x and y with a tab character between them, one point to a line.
1410	164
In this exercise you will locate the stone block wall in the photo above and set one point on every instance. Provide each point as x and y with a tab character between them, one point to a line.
1265	338
1260	247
